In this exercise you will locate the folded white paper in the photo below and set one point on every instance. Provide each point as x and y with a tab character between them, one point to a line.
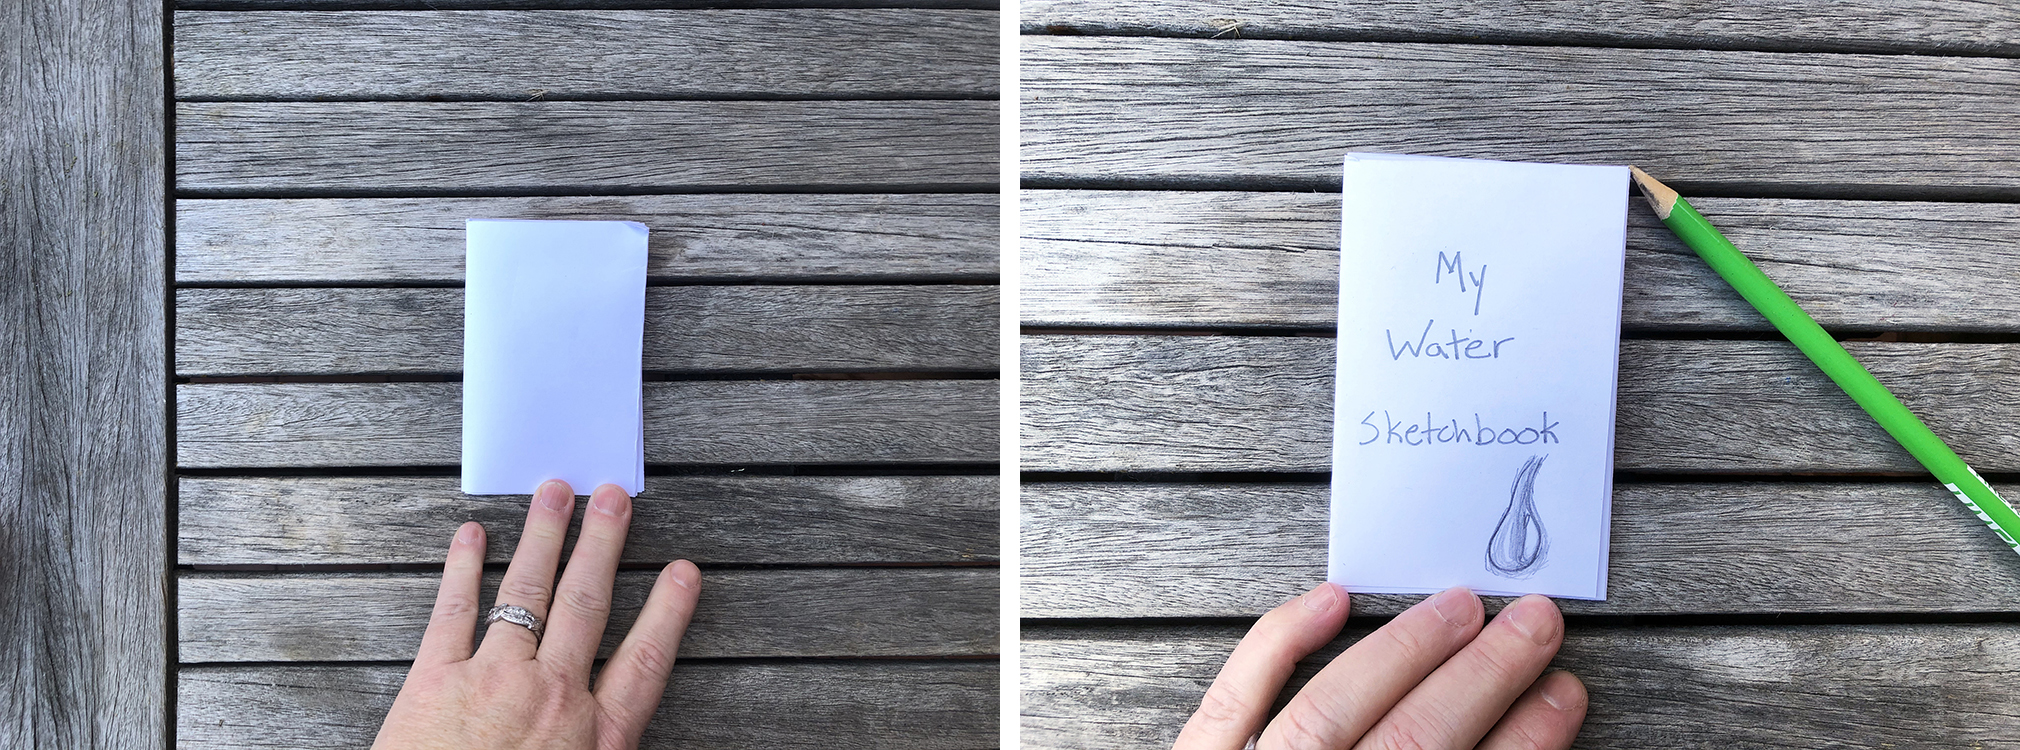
553	324
1479	341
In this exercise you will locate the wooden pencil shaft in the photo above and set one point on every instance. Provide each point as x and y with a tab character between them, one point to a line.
1831	357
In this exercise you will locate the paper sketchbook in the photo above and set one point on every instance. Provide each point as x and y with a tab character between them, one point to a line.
1479	338
553	327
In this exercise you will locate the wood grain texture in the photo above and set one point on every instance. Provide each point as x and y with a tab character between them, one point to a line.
1165	403
83	428
361	147
745	422
1868	26
894	237
743	613
711	520
846	705
517	55
1280	114
688	329
1765	687
1117	550
1144	258
248	5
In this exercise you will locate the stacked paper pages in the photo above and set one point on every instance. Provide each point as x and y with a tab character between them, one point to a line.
553	325
1478	345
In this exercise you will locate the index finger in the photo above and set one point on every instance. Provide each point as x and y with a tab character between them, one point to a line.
452	629
1239	700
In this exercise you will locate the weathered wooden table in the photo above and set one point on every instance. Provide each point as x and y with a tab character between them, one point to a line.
1783	575
820	357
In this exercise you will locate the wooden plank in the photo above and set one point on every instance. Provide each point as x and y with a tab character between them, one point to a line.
517	55
743	613
847	705
713	520
1919	26
745	422
336	148
868	237
1152	258
83	428
689	329
1765	687
1115	550
1169	403
546	4
1279	114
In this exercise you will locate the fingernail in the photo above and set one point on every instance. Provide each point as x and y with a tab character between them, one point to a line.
1321	599
1454	605
470	533
686	574
554	494
1530	616
1558	693
610	502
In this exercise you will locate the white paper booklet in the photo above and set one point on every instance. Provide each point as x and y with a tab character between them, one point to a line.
1479	345
553	326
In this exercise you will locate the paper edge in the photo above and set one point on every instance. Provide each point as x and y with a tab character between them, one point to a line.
1412	591
1359	156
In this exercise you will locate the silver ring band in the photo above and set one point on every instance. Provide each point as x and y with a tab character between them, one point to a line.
516	615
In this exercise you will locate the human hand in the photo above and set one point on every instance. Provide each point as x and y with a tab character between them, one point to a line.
519	691
1432	678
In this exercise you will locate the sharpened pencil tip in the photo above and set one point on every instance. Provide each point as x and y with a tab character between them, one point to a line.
1659	196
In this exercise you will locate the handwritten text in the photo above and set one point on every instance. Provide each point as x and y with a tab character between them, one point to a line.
1433	432
1458	271
1457	347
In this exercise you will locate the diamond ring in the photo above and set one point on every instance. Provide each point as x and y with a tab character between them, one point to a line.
516	615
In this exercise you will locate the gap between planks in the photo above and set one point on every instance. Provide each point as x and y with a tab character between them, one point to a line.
1934	29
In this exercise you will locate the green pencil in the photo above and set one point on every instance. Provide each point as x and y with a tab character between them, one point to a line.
1747	279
